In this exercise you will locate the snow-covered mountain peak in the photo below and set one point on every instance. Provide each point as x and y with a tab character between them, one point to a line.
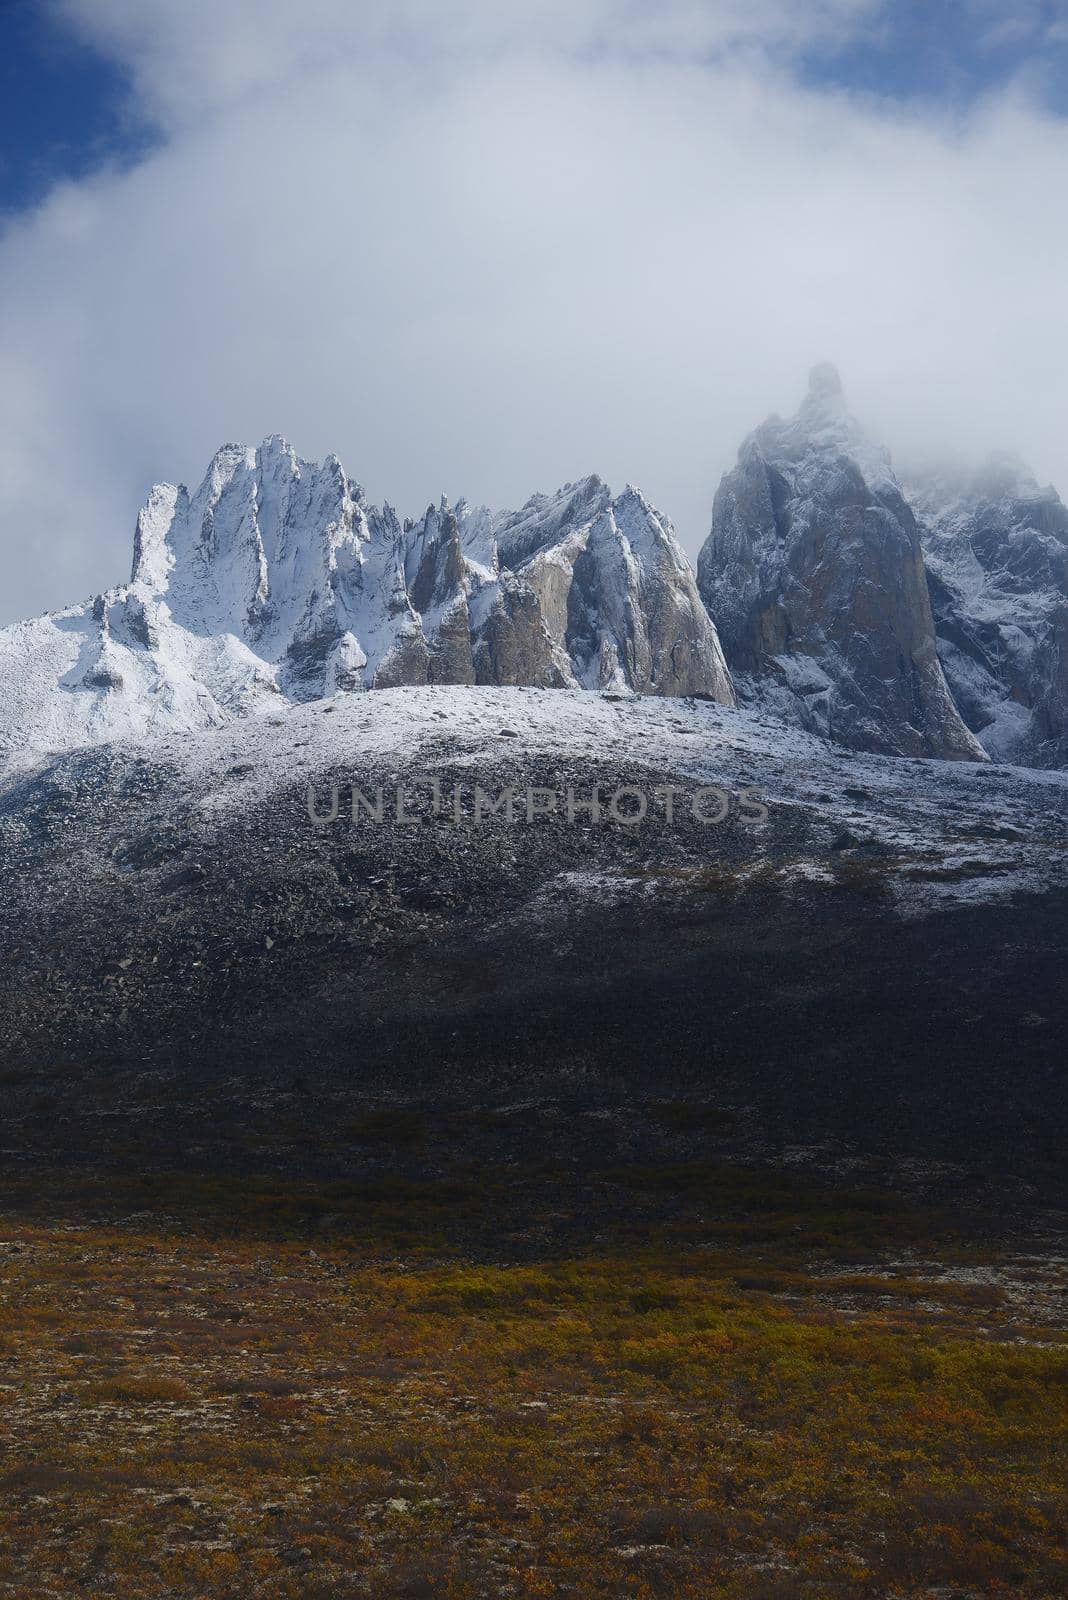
814	574
822	431
275	579
995	544
928	614
541	521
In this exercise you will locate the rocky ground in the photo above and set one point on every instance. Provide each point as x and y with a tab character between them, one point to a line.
192	965
475	1208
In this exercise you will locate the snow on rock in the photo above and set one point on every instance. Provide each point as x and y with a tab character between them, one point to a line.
276	582
930	833
813	572
996	548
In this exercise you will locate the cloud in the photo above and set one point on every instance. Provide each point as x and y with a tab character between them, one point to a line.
487	262
190	59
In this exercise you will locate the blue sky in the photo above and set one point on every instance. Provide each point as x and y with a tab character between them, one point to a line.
950	53
67	108
489	246
64	108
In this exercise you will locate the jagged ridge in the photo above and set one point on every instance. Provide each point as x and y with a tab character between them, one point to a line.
277	580
924	620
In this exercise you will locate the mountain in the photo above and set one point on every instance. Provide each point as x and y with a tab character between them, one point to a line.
277	581
924	618
189	959
996	548
814	573
196	960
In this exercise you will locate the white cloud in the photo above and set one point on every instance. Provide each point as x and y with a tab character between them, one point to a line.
493	277
193	56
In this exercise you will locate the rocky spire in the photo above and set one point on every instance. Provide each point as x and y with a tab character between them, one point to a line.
814	575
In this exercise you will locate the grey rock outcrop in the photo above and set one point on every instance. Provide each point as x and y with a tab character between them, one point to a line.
576	590
814	573
635	617
996	547
598	594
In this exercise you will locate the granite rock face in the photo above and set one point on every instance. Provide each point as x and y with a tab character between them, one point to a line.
924	620
996	548
615	596
814	573
277	581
